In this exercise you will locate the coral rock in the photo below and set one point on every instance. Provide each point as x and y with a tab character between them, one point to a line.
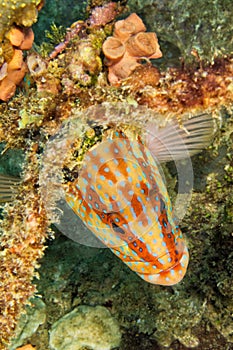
102	15
85	327
128	45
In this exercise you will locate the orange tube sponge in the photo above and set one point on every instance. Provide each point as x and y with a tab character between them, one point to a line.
127	47
133	24
16	18
16	70
113	48
143	45
16	61
15	35
28	39
7	89
121	69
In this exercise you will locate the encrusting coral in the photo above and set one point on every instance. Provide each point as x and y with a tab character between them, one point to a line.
29	119
22	13
16	36
76	330
127	47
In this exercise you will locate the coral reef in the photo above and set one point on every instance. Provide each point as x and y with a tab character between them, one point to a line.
200	30
52	93
127	47
183	90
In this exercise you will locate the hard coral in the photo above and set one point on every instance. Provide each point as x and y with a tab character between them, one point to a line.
127	47
21	12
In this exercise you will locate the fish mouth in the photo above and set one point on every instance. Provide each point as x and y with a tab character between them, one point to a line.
171	275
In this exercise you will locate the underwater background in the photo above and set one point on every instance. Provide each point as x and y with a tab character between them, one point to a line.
84	298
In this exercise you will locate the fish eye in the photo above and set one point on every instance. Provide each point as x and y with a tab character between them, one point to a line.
162	205
117	228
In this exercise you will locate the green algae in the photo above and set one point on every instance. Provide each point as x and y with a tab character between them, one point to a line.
55	35
198	28
53	12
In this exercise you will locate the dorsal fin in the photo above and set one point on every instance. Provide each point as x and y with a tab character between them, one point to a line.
174	141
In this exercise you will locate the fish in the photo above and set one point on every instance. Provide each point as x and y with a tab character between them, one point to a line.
121	197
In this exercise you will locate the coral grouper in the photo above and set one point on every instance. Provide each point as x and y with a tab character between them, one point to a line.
121	197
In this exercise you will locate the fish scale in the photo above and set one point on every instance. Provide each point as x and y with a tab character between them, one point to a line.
121	197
